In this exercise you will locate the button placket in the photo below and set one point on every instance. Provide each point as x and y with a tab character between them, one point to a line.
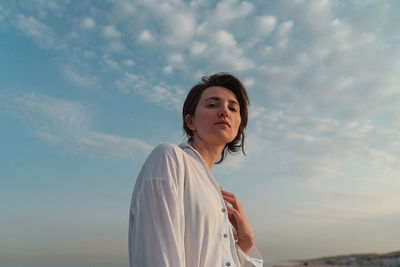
224	235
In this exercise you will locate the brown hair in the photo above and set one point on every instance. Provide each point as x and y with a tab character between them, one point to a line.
227	81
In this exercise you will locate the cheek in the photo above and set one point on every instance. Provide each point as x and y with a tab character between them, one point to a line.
238	121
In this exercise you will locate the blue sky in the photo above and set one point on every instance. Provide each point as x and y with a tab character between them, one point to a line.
88	88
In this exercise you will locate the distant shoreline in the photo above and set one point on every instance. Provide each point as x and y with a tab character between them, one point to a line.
391	259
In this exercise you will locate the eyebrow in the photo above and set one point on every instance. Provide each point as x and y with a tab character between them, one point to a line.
219	99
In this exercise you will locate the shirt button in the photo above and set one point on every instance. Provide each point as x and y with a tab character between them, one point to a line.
228	263
225	235
223	209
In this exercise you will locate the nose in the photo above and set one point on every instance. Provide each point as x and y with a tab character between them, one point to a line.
223	112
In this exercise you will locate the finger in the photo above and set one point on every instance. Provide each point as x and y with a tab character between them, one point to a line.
228	197
236	214
224	192
233	200
227	194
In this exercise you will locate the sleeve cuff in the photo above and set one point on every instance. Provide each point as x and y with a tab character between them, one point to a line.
252	259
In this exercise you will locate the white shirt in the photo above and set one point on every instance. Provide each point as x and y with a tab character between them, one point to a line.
178	217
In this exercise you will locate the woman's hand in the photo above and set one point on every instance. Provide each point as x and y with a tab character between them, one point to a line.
239	221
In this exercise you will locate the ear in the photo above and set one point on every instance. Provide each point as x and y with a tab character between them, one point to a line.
189	122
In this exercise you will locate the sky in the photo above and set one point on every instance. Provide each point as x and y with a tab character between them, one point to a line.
89	88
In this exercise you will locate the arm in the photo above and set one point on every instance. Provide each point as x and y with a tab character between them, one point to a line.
246	250
156	222
155	236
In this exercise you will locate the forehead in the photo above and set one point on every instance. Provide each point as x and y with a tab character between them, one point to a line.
219	92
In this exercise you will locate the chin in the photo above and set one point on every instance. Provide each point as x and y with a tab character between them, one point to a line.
226	140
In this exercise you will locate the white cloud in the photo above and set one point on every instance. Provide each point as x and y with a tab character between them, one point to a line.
225	39
1	15
46	114
128	62
82	80
69	124
31	26
248	82
127	7
265	24
285	28
282	44
197	48
126	83
41	33
227	55
112	145
111	32
88	54
146	37
88	23
181	29
154	92
175	58
168	69
228	10
111	63
116	46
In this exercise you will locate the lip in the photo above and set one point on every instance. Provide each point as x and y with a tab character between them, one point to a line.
223	122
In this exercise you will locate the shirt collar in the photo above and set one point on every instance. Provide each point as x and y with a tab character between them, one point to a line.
193	152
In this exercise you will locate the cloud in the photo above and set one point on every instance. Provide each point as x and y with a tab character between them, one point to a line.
116	46
265	24
285	28
82	80
225	39
175	58
126	7
111	32
128	62
181	29
45	113
112	145
174	23
39	31
1	13
146	37
69	124
168	69
229	10
335	74
88	23
198	48
228	55
155	92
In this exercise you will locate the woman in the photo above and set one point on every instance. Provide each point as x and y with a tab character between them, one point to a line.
179	214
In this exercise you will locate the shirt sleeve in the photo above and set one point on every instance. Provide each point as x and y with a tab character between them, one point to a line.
155	230
252	259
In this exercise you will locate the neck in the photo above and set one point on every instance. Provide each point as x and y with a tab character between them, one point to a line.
209	152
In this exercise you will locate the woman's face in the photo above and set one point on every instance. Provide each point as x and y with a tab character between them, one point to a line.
217	116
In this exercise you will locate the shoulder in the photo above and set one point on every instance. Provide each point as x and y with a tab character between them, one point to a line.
165	162
165	153
166	149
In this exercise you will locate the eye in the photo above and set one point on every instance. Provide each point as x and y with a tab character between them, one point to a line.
211	105
233	109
